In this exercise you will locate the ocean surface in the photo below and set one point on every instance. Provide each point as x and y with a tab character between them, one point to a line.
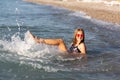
22	59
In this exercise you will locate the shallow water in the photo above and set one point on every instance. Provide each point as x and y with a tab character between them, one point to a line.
22	59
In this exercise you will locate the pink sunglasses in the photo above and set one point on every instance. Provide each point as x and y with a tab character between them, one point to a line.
79	35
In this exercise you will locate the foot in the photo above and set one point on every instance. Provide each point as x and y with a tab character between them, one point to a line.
31	36
40	40
36	39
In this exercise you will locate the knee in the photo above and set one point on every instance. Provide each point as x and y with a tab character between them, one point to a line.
60	40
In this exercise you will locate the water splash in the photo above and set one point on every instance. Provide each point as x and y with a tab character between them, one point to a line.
26	51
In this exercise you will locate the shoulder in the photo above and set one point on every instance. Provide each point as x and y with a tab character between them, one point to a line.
82	48
82	45
71	44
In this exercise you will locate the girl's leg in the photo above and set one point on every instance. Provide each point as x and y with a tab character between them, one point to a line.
59	42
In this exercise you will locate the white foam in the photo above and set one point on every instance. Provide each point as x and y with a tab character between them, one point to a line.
28	39
111	3
26	47
107	25
80	14
92	0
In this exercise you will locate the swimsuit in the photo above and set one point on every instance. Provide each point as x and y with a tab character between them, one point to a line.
74	49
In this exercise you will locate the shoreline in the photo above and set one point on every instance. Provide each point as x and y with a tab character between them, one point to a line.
98	11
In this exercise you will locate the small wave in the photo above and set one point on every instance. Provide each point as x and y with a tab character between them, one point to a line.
111	3
80	14
107	25
92	0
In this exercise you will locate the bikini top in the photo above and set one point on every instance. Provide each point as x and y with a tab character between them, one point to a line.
74	49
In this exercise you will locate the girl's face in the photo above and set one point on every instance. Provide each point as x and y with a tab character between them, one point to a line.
79	36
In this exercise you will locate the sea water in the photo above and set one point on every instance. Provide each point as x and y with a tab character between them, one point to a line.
23	59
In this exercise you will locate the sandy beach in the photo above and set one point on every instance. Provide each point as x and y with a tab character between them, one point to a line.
100	11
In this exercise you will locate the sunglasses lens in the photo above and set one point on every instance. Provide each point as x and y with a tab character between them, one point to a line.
79	35
82	35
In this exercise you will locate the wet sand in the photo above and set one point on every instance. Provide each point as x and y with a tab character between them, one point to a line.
100	11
